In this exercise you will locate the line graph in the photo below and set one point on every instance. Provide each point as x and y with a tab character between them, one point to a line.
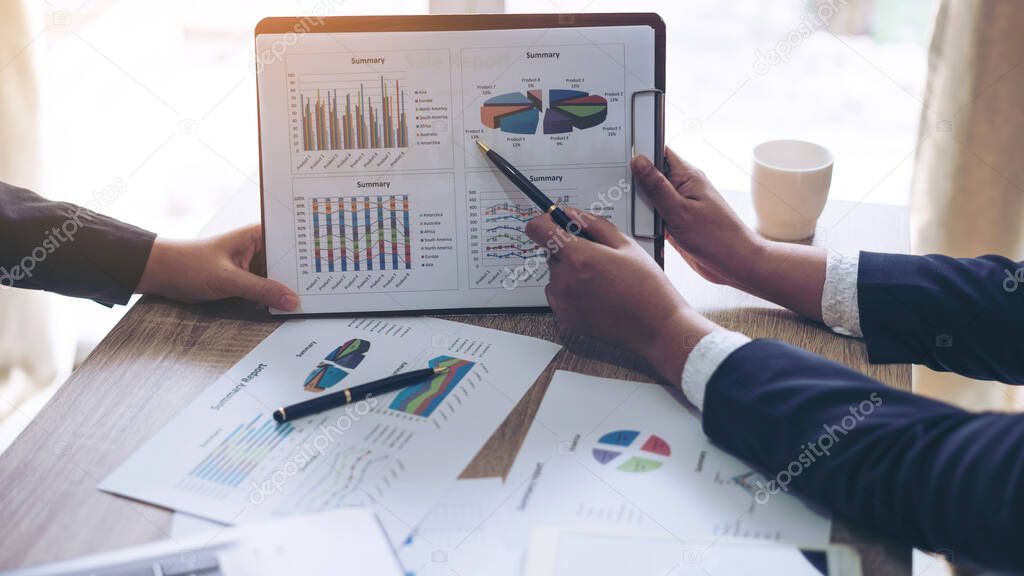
502	222
360	233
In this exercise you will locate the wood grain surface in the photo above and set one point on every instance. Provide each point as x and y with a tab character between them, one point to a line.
162	354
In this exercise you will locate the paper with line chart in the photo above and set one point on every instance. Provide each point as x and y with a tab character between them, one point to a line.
225	459
375	196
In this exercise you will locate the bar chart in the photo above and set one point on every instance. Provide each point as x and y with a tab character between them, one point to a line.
347	113
361	233
340	113
233	459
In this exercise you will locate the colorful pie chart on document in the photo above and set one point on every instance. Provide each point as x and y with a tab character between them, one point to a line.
520	113
631	451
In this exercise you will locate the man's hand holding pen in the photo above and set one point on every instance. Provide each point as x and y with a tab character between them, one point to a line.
595	288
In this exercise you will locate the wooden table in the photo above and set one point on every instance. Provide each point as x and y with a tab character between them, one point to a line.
162	354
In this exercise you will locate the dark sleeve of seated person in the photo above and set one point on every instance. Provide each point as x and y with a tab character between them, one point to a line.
963	315
68	249
902	465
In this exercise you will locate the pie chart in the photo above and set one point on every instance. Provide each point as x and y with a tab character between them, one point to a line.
515	113
573	109
519	113
631	451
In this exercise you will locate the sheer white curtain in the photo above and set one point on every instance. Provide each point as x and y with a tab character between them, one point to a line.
34	356
968	191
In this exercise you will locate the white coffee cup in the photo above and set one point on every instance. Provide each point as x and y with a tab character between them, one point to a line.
790	185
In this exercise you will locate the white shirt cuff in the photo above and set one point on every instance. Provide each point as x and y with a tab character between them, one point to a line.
839	307
705	358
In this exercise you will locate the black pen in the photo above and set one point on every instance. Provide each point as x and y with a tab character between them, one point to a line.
356	393
533	193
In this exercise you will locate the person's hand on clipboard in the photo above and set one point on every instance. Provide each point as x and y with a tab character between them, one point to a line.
699	223
610	289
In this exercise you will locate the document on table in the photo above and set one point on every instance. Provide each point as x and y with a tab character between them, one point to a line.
474	529
224	458
463	533
592	553
375	196
629	455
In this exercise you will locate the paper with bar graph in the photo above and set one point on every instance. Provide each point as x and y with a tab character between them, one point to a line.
375	196
224	458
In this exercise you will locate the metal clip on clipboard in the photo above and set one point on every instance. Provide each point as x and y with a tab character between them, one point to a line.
659	154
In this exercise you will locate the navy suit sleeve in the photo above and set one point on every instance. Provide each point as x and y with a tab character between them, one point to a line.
65	248
917	470
957	315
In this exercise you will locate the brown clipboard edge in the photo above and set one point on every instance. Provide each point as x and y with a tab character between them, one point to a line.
454	23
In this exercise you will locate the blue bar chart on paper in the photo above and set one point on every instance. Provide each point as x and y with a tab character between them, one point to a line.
233	459
375	234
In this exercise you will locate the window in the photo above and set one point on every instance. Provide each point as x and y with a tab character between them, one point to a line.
157	99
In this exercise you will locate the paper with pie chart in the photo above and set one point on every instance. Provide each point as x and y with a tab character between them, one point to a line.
630	456
224	458
629	451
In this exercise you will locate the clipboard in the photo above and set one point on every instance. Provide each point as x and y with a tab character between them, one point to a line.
644	224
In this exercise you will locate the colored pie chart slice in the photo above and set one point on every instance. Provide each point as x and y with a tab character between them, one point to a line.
585	115
591	99
619	437
559	94
350	354
523	122
491	116
323	377
638	464
510	98
556	122
605	456
535	98
656	445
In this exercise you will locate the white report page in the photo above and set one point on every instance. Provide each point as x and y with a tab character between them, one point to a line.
376	197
